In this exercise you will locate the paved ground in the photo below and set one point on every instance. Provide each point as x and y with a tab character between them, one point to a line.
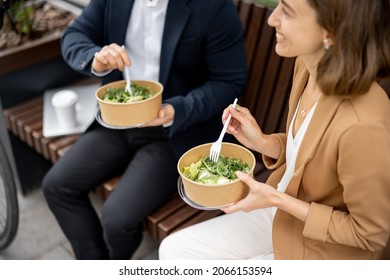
40	238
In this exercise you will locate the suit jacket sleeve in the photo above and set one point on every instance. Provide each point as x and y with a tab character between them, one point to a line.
83	37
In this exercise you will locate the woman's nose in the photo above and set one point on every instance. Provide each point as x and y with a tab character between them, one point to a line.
273	19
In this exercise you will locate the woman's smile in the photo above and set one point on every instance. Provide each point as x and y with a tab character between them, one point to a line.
279	37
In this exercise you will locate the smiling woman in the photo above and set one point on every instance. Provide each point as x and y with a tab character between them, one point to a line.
329	195
295	33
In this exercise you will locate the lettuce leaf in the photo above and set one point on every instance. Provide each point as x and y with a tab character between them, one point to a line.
208	172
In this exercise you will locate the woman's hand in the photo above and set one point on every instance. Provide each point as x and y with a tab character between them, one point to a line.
245	129
264	196
111	57
260	196
243	126
165	116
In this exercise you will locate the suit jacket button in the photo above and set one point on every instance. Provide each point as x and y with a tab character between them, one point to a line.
82	64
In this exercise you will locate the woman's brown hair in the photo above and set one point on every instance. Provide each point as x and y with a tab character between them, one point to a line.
360	31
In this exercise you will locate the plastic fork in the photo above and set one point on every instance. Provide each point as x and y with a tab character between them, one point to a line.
127	78
128	81
217	145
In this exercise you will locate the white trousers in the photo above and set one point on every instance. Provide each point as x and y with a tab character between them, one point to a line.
232	236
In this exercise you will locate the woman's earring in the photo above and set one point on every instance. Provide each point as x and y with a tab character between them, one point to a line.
326	44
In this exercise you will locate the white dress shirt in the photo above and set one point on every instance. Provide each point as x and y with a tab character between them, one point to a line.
292	148
143	39
144	36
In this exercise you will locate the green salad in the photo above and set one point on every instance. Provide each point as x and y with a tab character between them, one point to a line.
120	95
206	171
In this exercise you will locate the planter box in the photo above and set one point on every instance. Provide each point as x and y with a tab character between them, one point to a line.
30	53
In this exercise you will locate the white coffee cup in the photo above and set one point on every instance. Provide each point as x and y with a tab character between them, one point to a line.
64	103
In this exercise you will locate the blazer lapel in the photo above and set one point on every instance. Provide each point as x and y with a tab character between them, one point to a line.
177	16
323	115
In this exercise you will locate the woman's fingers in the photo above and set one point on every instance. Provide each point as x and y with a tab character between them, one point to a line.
245	178
241	205
239	117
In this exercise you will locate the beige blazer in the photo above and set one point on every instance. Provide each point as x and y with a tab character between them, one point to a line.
342	170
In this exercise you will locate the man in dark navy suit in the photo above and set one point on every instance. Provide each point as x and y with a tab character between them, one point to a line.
195	48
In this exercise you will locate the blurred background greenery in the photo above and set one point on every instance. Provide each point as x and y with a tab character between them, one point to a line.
267	3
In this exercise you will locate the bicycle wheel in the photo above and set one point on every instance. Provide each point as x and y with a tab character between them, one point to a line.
9	209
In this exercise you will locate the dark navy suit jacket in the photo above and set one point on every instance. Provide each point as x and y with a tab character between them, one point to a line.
202	65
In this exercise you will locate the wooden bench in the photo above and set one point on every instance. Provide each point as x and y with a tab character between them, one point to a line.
266	96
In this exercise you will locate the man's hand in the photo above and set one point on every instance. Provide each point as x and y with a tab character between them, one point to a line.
111	57
165	115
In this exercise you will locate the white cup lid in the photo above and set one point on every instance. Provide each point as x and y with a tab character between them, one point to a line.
64	98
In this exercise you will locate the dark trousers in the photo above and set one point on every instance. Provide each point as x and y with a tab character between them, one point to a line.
148	165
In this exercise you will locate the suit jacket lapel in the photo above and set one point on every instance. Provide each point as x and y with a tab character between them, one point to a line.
177	15
120	13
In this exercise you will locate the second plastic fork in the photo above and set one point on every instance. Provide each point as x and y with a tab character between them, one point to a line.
217	145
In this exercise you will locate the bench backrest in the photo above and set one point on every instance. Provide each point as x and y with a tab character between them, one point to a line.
270	76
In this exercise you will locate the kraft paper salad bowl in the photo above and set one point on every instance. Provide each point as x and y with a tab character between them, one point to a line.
213	194
129	114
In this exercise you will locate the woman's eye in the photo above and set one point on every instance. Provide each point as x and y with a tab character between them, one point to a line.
285	12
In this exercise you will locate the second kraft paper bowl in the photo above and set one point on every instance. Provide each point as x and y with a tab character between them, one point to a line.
133	113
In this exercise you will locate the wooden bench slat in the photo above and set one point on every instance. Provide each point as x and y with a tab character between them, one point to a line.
244	11
13	114
168	225
59	143
279	102
170	207
61	151
36	135
34	117
29	128
264	38
201	216
109	186
44	142
9	113
254	26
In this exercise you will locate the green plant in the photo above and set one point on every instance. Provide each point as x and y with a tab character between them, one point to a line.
23	15
17	15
